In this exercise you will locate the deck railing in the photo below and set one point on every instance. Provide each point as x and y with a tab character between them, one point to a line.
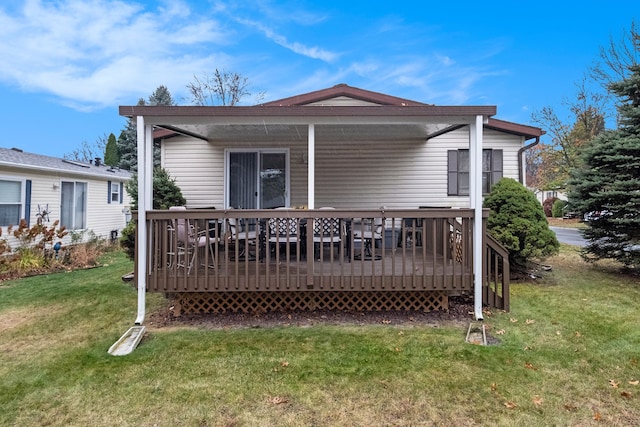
288	250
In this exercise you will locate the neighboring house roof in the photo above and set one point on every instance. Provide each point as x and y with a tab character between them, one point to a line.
15	158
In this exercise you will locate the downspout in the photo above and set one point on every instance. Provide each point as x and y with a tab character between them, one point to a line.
520	152
145	199
475	192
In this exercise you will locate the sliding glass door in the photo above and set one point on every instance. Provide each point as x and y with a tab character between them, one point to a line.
257	179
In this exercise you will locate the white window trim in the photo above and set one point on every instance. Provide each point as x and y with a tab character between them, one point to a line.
23	196
86	204
285	151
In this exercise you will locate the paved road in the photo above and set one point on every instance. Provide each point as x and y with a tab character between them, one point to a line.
569	236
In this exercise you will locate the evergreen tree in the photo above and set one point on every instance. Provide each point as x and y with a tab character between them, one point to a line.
518	222
128	140
128	144
111	157
161	96
608	187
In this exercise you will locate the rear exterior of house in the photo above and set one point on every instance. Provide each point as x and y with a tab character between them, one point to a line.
365	154
85	197
398	174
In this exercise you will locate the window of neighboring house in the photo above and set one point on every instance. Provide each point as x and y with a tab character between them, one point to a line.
73	209
11	202
459	166
114	192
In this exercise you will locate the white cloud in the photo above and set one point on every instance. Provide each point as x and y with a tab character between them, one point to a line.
296	47
100	52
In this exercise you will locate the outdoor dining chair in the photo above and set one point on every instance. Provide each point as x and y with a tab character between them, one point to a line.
283	232
368	232
240	237
327	231
188	242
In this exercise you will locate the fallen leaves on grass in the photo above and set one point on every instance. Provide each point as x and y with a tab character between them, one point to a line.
284	363
278	400
636	382
529	321
597	416
626	395
512	320
530	366
500	332
537	400
510	405
613	383
570	407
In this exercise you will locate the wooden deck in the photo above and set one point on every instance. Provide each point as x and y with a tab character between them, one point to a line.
397	269
430	253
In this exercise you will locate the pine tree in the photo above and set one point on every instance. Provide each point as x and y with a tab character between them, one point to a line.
111	157
608	187
161	96
128	145
128	140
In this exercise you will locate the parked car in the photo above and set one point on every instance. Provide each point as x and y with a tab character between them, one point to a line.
595	215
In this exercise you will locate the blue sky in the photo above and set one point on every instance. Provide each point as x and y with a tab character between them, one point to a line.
68	64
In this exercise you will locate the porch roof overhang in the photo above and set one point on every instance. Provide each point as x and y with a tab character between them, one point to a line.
289	123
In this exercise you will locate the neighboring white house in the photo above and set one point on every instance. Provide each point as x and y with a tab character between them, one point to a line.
86	197
543	195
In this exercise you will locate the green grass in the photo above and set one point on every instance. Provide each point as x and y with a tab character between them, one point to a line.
567	337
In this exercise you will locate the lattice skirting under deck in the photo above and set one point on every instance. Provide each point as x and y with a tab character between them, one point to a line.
261	302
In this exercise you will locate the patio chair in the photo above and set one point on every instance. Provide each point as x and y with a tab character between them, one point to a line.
240	237
188	242
327	231
410	233
283	232
368	233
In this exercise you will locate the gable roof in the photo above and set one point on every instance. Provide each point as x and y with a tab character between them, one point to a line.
341	105
343	90
15	158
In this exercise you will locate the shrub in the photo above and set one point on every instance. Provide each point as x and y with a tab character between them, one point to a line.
518	222
557	210
547	206
128	239
166	193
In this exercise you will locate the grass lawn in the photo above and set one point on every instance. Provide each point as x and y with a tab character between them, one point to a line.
569	355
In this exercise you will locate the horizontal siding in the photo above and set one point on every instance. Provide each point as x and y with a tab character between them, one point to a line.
360	175
102	217
198	169
344	101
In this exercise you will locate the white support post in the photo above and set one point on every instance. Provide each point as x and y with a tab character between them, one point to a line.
311	167
145	198
475	198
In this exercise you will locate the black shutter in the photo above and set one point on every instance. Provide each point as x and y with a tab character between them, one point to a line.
121	191
108	191
452	172
27	202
